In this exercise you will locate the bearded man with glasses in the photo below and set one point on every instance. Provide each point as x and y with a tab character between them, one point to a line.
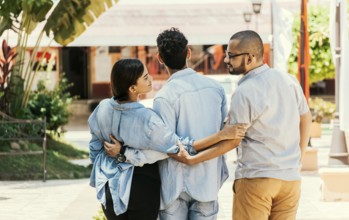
267	178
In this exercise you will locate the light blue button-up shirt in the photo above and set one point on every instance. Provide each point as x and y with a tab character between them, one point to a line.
191	105
271	102
136	126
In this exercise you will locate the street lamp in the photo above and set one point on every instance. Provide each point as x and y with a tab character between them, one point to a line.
256	6
338	151
247	18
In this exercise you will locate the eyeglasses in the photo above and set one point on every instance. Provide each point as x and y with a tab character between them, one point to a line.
235	55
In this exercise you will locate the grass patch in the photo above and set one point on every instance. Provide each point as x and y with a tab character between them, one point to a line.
29	167
64	148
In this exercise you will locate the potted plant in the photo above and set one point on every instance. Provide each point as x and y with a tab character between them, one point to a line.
322	111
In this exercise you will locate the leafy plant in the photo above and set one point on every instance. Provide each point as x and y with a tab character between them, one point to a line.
321	66
21	130
52	104
6	64
321	109
67	21
70	18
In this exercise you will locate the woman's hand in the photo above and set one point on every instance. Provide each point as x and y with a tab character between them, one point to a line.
112	149
235	131
182	156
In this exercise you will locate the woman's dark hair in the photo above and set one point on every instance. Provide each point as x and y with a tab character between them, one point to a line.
124	74
172	46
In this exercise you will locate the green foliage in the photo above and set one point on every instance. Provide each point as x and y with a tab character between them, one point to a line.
52	104
321	66
17	87
321	109
6	66
9	11
29	130
34	12
68	20
22	16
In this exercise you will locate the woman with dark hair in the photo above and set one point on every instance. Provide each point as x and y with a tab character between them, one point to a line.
127	191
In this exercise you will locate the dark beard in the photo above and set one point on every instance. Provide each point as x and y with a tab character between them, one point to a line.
239	70
234	72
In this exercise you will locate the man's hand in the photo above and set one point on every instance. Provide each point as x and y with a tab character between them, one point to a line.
112	149
182	156
235	131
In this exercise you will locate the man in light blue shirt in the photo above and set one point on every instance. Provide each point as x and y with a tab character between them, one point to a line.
190	105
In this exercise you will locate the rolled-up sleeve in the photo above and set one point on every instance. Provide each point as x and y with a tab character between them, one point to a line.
160	141
140	157
96	146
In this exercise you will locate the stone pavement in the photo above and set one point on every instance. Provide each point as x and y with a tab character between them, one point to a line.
76	200
52	200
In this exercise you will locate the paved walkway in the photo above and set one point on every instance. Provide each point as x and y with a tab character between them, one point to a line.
52	200
75	199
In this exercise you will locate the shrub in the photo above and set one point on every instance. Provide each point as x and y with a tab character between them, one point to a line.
52	104
6	66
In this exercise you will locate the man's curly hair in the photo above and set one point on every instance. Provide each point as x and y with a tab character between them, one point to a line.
173	47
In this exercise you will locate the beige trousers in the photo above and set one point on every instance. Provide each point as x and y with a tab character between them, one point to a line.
265	199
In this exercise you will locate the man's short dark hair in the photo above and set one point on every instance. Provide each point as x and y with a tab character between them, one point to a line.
173	47
250	42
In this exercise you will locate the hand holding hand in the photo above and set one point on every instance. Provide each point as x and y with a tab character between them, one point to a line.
182	156
112	149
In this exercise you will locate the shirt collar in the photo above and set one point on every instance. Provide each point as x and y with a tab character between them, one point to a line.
181	73
125	106
253	73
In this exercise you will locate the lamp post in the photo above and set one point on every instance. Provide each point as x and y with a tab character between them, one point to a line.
256	6
338	155
247	18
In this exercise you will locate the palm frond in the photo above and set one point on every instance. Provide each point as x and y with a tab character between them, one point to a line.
71	17
34	13
9	12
